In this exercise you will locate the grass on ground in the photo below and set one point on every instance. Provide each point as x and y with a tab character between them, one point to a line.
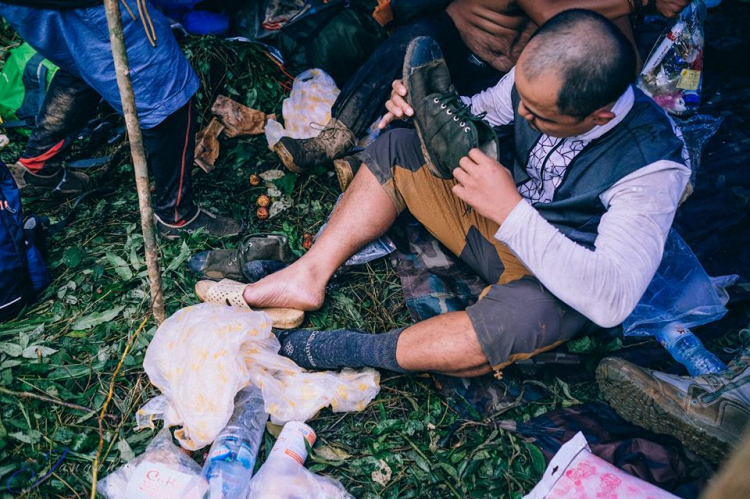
409	443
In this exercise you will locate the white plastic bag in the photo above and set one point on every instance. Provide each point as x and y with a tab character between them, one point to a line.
283	475
164	470
307	109
203	355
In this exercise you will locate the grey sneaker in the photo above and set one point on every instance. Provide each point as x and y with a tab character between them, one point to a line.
300	155
62	183
706	413
446	127
211	224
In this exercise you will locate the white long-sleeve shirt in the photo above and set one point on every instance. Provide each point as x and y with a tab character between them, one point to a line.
605	284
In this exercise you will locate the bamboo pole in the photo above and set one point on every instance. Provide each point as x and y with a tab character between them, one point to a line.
138	154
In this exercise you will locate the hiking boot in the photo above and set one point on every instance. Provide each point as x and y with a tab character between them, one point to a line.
300	155
346	168
706	413
447	129
62	183
211	224
231	263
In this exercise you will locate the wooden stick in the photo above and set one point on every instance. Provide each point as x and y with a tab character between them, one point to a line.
138	154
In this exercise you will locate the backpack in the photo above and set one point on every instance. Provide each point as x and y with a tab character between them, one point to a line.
24	273
24	80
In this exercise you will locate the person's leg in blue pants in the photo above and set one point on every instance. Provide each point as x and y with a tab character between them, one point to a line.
77	40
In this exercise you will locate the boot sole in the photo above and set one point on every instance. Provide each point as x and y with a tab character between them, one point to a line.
639	407
37	192
405	78
286	158
344	173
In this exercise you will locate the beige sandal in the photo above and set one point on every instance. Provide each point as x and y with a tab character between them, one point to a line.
229	292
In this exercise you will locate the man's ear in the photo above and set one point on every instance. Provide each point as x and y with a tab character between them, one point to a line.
602	116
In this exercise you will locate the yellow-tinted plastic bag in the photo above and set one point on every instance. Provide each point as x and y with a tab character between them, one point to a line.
203	355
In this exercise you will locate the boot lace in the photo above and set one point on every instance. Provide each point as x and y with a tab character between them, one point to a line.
460	112
325	132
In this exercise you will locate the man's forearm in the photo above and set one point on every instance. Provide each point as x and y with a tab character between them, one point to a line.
604	284
540	11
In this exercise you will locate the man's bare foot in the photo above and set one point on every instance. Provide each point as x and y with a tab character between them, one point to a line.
293	287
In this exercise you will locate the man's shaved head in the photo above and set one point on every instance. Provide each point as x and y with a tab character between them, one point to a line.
592	58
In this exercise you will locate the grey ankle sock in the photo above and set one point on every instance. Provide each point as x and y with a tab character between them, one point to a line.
341	348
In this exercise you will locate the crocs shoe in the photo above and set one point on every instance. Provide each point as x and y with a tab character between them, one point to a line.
446	127
228	292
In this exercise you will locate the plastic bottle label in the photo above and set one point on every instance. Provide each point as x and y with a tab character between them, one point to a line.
291	441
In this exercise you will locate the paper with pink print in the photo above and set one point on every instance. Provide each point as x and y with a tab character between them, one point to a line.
576	473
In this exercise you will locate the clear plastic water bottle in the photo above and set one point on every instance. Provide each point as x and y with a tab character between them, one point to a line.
688	350
231	459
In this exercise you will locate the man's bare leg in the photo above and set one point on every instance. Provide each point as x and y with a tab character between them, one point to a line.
446	344
364	214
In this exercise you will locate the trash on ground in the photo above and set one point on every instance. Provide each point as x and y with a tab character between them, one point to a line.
575	472
680	296
231	459
203	355
164	470
239	120
283	475
207	145
307	109
672	74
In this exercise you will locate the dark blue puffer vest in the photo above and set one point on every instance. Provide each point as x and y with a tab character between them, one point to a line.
643	137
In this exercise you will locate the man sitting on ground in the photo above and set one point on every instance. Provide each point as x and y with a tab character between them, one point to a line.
481	41
569	238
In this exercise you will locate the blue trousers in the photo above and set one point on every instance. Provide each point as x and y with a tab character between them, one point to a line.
163	82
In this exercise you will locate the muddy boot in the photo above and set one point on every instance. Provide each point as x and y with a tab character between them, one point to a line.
706	413
233	263
447	130
346	168
62	183
300	155
211	224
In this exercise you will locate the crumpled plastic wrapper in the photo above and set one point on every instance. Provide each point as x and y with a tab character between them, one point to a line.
203	355
307	109
164	470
